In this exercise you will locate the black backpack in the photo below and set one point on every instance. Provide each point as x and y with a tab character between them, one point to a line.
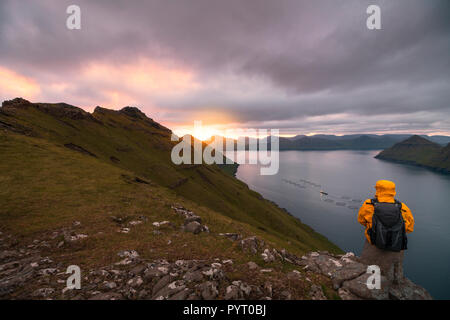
388	227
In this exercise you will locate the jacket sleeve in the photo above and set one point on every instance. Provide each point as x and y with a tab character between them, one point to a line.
365	214
408	217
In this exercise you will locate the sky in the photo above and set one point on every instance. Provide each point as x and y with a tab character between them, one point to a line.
303	67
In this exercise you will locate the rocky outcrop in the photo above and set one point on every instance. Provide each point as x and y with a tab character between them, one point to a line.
350	277
347	272
135	113
26	272
59	110
192	222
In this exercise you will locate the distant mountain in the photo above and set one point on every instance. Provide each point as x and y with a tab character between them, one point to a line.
332	142
345	142
296	137
417	150
442	140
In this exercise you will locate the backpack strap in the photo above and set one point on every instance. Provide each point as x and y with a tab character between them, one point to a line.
399	204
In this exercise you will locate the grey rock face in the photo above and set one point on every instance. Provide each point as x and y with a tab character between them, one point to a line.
349	276
358	287
407	290
350	271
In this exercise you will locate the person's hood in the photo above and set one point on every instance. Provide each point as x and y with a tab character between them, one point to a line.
385	191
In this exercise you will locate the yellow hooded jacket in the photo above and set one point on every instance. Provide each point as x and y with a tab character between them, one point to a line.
385	192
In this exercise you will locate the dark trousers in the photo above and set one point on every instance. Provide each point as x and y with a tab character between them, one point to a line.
390	263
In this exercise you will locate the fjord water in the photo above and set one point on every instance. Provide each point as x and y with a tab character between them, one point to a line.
349	178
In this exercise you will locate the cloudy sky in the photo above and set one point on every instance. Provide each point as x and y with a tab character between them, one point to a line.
301	66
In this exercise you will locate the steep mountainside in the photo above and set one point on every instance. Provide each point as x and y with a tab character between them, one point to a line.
128	140
419	151
441	160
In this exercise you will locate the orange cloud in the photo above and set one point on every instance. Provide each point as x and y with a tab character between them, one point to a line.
142	76
14	85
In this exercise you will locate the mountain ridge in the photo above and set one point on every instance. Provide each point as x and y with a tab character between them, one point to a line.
332	142
140	146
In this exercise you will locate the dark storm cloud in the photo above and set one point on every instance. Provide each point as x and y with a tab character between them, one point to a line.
310	58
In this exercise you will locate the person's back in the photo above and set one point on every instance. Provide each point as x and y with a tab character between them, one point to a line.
386	221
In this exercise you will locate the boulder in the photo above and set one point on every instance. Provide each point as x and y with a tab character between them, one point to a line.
135	282
193	227
316	293
267	256
232	293
351	271
294	275
192	219
358	287
252	244
132	254
208	290
252	266
161	284
169	290
407	290
193	276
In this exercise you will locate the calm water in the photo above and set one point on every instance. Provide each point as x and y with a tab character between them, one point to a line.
349	177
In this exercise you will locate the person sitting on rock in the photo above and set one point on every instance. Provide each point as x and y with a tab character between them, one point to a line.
386	221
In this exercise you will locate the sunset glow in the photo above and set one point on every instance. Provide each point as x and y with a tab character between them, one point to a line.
299	75
15	85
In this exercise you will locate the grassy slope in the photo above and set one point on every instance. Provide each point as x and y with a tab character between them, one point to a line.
441	160
419	151
50	186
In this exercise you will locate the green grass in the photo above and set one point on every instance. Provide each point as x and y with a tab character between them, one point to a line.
48	186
